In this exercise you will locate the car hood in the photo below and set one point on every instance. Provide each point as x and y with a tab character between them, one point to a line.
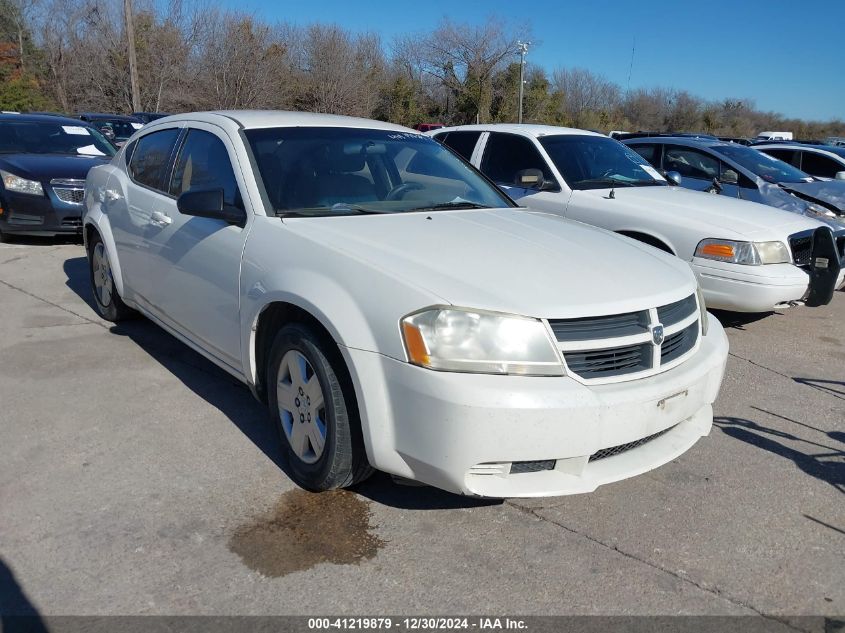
724	216
44	167
831	192
508	260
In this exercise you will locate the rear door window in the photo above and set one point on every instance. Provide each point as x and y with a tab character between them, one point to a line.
151	158
461	142
650	152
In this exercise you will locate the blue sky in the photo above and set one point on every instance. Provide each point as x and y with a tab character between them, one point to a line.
786	55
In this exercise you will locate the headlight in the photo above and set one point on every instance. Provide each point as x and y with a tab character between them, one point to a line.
749	253
21	185
454	339
817	210
702	311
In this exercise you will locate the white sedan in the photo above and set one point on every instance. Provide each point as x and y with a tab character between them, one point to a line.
743	253
396	311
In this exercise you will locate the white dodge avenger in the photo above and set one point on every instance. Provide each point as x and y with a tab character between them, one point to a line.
396	311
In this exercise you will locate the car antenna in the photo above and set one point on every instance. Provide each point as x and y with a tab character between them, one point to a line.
612	194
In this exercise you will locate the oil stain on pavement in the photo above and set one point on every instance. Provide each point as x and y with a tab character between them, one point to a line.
304	529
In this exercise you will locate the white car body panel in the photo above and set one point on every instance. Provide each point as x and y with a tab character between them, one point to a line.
679	218
208	283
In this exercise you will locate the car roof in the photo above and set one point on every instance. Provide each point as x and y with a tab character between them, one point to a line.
839	151
255	119
42	118
525	129
114	117
703	143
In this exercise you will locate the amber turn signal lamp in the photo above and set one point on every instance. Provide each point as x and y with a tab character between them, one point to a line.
718	250
417	352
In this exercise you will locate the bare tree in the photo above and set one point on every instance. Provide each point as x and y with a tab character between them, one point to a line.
464	58
583	94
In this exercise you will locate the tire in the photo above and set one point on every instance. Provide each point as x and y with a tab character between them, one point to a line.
109	304
312	404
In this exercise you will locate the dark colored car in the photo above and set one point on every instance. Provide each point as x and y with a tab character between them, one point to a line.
146	117
43	163
115	127
743	172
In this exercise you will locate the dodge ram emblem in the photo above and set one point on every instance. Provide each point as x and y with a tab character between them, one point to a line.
657	334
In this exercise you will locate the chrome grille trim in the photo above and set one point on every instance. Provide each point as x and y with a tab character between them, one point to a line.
71	196
621	347
69	190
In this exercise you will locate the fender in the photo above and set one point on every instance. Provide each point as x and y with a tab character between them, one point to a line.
94	217
635	233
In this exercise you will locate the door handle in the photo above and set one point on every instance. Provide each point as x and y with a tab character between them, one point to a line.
157	218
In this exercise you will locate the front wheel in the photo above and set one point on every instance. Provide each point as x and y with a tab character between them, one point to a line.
313	405
109	304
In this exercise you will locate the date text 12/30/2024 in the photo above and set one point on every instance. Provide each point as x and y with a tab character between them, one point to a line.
417	624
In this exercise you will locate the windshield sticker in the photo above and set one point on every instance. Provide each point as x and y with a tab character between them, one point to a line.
651	171
137	126
76	129
89	150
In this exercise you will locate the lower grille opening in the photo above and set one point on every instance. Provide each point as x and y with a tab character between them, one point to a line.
621	448
74	222
532	467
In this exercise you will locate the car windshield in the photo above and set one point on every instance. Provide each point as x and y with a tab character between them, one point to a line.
598	162
46	137
122	129
766	167
312	171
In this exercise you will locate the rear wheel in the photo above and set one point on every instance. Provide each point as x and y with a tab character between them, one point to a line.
108	301
313	406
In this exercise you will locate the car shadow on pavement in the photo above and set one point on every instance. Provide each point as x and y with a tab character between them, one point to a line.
78	280
17	613
738	320
824	463
384	490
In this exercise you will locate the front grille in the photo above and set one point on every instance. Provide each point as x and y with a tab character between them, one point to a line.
592	349
588	328
71	196
532	467
616	450
677	312
802	249
616	361
678	344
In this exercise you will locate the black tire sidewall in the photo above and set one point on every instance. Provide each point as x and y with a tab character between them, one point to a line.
116	310
333	468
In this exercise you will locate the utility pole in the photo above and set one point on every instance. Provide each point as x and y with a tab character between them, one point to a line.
133	62
522	47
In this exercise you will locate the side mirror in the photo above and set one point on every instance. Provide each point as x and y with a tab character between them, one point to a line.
840	175
730	177
674	177
208	203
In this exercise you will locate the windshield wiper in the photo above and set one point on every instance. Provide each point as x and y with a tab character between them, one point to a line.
327	212
455	204
612	182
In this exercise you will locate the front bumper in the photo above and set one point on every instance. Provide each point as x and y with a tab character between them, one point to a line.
25	214
750	288
462	432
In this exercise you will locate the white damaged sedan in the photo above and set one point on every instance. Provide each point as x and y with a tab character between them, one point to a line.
396	311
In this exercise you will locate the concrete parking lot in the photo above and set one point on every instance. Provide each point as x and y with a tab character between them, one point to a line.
136	478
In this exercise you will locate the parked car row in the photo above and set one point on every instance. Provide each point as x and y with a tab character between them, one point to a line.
508	310
747	257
